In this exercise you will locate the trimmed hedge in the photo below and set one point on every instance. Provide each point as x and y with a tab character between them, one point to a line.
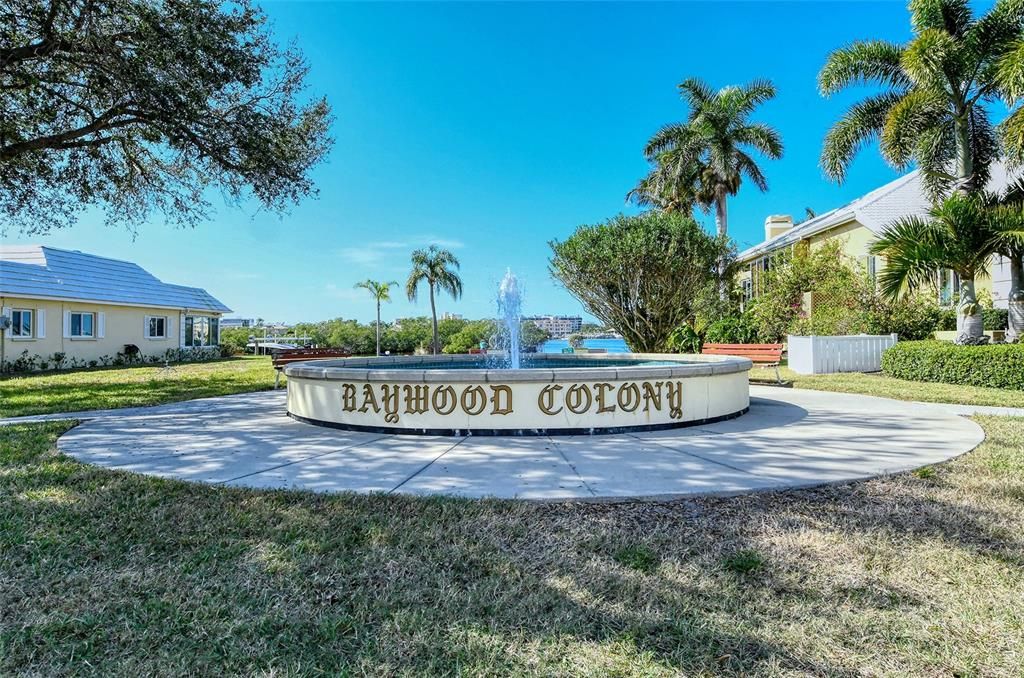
991	318
995	365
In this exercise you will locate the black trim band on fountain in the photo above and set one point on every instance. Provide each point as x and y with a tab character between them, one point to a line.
607	430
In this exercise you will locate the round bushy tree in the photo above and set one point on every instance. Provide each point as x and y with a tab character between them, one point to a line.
640	274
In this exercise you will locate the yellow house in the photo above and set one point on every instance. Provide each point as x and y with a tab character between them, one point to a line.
855	226
80	309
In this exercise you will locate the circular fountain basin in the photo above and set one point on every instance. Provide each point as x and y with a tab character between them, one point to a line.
552	394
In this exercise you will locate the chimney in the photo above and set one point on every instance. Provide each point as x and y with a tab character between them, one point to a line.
776	225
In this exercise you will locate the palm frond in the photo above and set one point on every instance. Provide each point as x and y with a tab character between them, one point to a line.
952	16
695	92
912	253
1010	73
747	166
931	58
763	137
913	114
861	124
865	62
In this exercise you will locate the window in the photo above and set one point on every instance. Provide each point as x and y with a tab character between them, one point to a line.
201	331
156	327
83	325
949	287
21	323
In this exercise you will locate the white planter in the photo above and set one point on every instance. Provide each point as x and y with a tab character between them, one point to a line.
826	355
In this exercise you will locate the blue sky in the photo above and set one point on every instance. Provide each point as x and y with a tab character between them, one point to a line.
494	128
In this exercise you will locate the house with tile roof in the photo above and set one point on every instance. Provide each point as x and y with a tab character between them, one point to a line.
855	226
90	308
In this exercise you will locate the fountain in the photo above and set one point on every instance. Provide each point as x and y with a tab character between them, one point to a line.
512	394
510	304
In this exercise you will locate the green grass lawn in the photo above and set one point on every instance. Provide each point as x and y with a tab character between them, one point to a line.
104	572
887	387
111	387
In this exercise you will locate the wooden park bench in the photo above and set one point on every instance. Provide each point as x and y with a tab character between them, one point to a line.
764	355
283	357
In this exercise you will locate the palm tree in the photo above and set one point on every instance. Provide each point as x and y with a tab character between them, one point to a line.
674	184
1011	246
961	233
711	151
381	291
439	269
930	112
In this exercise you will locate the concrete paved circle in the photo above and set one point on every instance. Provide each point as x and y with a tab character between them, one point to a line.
790	438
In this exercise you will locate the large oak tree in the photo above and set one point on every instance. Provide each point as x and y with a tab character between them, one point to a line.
135	106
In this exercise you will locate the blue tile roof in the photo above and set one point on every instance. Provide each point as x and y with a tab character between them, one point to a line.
48	272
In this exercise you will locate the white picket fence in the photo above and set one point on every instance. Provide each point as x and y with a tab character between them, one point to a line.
825	355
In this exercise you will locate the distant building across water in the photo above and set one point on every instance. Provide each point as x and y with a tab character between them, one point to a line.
557	326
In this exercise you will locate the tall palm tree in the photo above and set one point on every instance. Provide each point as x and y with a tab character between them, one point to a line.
712	148
961	233
439	268
381	291
930	111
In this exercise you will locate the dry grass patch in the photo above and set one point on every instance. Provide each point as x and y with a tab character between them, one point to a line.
104	572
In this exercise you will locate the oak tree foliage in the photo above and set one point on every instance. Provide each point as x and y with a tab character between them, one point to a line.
140	106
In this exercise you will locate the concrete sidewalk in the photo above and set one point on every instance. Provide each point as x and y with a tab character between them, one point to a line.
790	438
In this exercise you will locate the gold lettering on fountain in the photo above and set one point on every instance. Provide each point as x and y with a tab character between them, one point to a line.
474	400
602	390
652	394
498	394
348	397
675	399
628	397
444	400
389	394
578	398
546	400
416	398
369	400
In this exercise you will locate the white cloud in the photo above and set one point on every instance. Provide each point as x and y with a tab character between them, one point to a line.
373	253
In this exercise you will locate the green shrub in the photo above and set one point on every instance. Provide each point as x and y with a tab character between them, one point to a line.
732	330
947	320
684	339
912	317
994	318
995	365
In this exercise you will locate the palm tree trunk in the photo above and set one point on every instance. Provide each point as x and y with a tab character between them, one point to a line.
433	314
1015	326
964	157
722	226
378	328
969	325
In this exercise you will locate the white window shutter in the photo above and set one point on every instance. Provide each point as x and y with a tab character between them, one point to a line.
145	327
67	324
6	312
181	330
168	328
40	323
101	325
